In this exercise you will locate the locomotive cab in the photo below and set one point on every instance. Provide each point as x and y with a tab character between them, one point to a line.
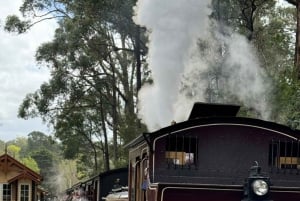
207	158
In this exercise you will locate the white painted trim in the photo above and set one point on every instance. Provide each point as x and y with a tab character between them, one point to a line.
222	124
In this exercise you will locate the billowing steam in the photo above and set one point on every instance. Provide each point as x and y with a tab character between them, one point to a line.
183	72
175	27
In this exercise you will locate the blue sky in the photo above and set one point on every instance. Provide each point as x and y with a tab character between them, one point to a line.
19	73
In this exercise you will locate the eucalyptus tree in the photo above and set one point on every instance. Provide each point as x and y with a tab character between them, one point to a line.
275	44
274	41
296	3
241	15
93	61
230	17
47	154
270	29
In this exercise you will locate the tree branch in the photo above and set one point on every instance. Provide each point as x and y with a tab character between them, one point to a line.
36	22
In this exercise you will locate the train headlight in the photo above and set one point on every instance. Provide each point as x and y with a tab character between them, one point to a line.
257	186
260	187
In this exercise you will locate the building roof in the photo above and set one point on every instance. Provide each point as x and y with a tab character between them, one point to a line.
8	164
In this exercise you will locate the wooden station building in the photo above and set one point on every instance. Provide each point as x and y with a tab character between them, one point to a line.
18	182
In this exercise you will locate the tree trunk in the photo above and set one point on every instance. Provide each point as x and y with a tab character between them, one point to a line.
137	52
297	45
95	158
114	114
105	151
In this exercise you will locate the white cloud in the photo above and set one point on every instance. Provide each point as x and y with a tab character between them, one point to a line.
19	73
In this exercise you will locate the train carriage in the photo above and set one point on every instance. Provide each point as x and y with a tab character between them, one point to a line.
214	156
97	188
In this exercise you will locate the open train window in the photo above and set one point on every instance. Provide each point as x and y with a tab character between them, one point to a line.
181	151
284	154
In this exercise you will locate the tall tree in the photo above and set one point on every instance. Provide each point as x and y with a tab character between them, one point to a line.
268	27
230	17
93	59
296	3
46	153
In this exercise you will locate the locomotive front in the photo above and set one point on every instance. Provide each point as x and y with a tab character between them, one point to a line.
216	156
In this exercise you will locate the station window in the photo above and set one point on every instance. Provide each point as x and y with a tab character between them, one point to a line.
284	154
24	192
181	151
6	193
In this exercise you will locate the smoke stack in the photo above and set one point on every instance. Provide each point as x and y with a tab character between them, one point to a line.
201	110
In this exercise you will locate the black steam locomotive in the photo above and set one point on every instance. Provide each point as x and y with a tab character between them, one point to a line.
215	156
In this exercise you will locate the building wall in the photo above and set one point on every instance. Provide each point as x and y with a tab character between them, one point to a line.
18	175
4	177
16	189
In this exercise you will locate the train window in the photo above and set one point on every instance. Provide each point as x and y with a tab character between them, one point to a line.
284	154
181	151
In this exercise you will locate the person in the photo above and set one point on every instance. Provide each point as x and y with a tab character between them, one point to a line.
146	182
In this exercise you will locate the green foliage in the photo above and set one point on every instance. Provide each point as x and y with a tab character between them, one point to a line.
14	24
47	164
67	176
2	147
288	103
271	30
29	5
14	150
84	167
47	154
129	127
92	65
39	141
31	163
275	42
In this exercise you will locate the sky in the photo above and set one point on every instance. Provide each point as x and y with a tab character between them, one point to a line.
19	73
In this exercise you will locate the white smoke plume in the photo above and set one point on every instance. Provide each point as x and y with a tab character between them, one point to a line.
241	78
175	26
247	79
181	72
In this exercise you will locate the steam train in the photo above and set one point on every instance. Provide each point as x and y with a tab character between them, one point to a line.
98	187
216	155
